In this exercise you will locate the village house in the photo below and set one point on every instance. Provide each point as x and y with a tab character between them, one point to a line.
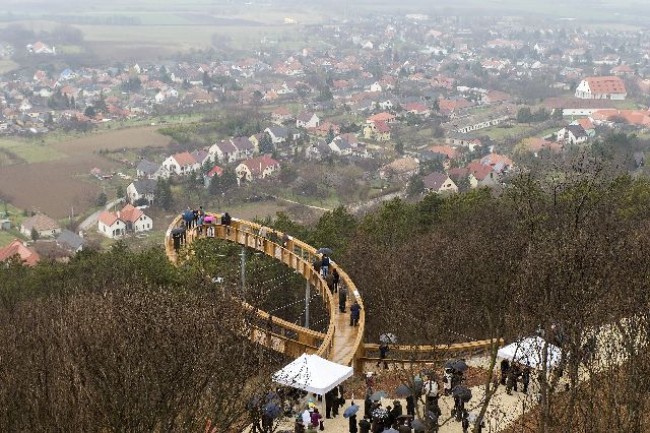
42	224
481	175
140	190
71	242
19	249
128	220
281	114
376	130
572	134
402	168
181	164
307	120
439	183
498	163
146	169
257	168
279	134
610	87
340	146
214	171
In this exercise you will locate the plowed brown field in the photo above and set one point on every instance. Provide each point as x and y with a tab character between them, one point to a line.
54	187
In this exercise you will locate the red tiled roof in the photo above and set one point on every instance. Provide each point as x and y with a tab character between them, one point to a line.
604	85
130	213
107	218
259	164
449	151
381	127
184	159
26	254
479	170
215	170
381	117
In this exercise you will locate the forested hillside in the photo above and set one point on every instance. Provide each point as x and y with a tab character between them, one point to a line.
122	340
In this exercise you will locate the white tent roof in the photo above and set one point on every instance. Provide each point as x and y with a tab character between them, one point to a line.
312	373
529	351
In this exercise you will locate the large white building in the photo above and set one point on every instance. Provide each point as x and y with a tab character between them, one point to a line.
610	87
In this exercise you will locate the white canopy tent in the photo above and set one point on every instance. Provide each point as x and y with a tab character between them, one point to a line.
312	373
529	351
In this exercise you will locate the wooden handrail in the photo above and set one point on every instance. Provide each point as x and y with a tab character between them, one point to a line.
246	233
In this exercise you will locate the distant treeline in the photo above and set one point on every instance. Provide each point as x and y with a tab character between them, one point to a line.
110	20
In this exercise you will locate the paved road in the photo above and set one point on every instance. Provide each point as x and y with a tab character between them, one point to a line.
92	219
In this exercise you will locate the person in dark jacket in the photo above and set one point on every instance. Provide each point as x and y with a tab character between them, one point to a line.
353	424
383	351
525	379
410	405
336	278
325	265
226	220
329	403
355	313
364	425
505	367
343	298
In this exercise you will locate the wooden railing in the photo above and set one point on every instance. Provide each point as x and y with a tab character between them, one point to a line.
297	255
292	339
425	352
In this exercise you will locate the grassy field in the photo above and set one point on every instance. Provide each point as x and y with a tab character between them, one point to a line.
6	238
7	66
31	151
496	133
55	185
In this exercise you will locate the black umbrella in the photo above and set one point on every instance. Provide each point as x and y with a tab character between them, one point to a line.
353	409
456	364
178	231
462	392
460	365
325	250
272	410
403	391
417	424
378	395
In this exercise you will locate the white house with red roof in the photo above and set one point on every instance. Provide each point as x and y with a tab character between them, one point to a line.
128	220
610	87
257	168
417	108
181	164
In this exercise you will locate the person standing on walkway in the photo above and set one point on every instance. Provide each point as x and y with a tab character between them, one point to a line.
383	351
329	279
226	220
353	424
336	278
325	265
355	313
431	392
364	425
505	366
329	403
343	298
525	379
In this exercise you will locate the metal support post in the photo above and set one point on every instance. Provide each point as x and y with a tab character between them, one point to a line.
307	297
243	269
